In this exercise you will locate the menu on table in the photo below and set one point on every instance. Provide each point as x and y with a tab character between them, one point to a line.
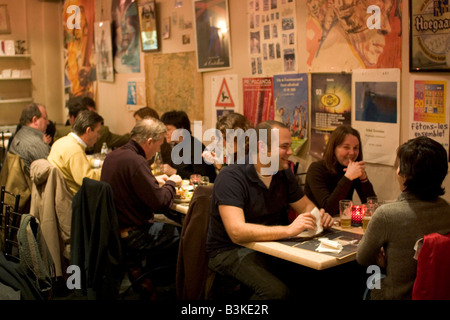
332	234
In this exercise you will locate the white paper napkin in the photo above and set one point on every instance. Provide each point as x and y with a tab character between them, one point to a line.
327	245
311	233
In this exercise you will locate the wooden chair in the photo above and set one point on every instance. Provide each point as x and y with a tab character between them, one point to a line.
9	223
195	281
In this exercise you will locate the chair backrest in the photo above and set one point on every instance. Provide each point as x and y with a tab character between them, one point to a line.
192	266
9	222
433	264
11	244
95	240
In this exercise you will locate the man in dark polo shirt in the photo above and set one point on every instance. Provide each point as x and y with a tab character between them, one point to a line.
249	204
137	193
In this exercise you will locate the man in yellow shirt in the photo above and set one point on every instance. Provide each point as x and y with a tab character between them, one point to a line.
68	153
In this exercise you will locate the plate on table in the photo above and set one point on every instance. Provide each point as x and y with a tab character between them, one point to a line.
184	194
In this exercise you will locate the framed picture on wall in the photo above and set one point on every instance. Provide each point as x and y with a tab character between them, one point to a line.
429	36
147	24
103	48
212	33
5	27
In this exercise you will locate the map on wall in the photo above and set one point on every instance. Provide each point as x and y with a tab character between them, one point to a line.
173	83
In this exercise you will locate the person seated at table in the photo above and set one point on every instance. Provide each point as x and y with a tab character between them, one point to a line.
339	173
250	203
68	153
78	104
30	142
180	163
145	112
137	194
230	122
394	229
75	106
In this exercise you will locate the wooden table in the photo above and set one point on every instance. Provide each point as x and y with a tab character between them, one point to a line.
308	258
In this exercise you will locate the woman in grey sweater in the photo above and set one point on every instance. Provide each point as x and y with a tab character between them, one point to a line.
419	210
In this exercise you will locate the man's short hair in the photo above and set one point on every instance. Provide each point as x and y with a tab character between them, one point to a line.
30	111
146	112
84	120
89	102
148	128
75	106
264	131
423	163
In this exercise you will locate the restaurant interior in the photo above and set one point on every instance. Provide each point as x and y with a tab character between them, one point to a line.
260	42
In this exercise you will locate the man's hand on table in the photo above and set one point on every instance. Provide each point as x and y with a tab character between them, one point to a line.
327	220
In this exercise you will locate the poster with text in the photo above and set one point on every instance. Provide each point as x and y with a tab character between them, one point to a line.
429	36
429	117
331	101
212	35
376	113
258	99
272	36
348	35
291	106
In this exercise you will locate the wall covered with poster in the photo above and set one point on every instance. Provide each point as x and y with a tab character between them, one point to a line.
389	48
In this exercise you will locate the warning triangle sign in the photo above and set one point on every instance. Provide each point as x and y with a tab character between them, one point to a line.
224	98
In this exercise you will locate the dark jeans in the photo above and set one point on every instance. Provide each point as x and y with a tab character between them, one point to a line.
273	278
159	240
255	270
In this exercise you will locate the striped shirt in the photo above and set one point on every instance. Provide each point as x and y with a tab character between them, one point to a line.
29	146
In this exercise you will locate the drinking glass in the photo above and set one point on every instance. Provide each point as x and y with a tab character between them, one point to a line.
345	213
204	181
372	200
157	165
195	179
371	206
366	218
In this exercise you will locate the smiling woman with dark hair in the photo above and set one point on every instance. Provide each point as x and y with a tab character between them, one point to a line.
395	228
340	173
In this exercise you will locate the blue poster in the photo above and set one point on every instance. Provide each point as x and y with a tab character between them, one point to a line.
291	105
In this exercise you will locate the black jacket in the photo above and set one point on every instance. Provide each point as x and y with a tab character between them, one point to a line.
95	240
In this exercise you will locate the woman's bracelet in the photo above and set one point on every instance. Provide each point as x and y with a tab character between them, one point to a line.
365	180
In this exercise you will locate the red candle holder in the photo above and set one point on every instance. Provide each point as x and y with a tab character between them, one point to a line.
357	215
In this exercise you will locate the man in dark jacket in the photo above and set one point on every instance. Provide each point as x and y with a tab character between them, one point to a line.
138	194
